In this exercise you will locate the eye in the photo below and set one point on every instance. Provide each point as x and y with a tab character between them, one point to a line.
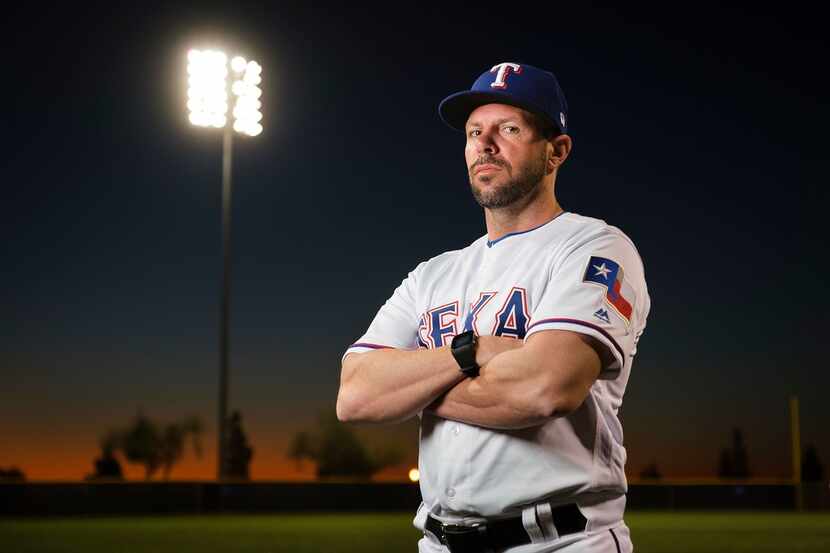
474	132
510	129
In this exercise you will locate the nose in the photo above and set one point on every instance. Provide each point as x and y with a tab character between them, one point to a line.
485	143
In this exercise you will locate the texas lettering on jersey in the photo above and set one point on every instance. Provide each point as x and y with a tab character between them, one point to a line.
438	326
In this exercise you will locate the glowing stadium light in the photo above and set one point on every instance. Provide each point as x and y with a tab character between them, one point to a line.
207	83
217	101
254	129
414	475
246	91
210	96
238	88
238	64
252	79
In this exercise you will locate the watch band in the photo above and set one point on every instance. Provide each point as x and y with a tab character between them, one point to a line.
463	349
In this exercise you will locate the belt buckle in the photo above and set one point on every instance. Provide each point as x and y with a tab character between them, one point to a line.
466	539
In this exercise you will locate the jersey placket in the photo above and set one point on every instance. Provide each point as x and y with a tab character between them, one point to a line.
456	490
469	439
462	436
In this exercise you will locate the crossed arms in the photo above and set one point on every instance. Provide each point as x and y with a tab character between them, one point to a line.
520	384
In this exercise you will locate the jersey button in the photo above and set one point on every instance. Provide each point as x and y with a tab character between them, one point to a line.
450	492
456	430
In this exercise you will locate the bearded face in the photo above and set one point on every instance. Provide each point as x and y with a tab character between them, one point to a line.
506	154
497	188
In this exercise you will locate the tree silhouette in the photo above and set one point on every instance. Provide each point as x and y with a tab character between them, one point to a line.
734	461
301	448
339	453
146	443
386	456
725	469
651	471
239	451
141	444
12	474
172	442
740	458
811	468
107	466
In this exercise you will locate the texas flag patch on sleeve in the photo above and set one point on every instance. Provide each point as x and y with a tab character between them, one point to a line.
609	274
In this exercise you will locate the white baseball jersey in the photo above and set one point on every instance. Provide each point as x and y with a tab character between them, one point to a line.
572	273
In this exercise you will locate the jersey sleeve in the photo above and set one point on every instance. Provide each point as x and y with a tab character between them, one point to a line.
396	323
597	288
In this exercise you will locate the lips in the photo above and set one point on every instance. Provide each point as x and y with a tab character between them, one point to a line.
486	167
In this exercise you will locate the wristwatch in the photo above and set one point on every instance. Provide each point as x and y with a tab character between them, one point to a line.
463	348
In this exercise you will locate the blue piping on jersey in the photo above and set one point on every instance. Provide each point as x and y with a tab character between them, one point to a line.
368	345
583	323
490	243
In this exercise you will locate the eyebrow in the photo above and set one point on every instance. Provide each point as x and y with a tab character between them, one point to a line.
497	122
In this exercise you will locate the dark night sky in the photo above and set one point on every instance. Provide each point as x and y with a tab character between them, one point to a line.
700	132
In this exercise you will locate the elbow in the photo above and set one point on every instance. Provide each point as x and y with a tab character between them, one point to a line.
539	409
362	406
344	410
563	389
346	402
346	406
551	402
356	406
361	400
354	398
562	405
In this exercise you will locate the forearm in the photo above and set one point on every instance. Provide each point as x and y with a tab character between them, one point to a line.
549	376
497	398
392	385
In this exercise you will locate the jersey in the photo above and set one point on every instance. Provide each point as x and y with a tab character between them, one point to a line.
572	273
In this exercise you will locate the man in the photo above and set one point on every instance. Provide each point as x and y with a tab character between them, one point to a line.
514	351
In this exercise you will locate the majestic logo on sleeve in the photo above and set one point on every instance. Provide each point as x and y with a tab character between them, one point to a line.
602	315
609	274
502	70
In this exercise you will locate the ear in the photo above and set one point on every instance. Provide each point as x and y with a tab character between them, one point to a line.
559	150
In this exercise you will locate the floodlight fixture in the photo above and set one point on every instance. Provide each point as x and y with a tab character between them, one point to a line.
211	95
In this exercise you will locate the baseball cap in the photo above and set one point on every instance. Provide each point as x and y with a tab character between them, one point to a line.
515	84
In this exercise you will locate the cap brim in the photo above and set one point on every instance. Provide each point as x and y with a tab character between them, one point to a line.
456	108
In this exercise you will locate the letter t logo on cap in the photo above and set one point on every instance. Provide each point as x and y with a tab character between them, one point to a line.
504	70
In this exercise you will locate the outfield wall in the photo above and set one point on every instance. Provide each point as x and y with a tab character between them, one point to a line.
25	499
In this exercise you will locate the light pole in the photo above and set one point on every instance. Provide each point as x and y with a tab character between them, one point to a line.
210	93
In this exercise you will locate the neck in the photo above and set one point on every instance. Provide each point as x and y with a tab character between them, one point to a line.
525	214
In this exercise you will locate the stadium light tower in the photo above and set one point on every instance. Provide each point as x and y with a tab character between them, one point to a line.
210	95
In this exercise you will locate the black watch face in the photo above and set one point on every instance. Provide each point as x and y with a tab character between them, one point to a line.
461	340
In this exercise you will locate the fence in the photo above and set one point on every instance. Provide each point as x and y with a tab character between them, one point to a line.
26	499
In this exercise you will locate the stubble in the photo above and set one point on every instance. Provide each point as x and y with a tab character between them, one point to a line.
523	184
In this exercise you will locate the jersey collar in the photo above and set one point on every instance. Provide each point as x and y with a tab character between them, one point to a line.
491	243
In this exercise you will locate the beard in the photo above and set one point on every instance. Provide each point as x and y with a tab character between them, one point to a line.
524	184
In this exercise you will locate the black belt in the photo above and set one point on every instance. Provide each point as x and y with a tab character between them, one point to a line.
501	534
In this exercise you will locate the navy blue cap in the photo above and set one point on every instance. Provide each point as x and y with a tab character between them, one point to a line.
515	84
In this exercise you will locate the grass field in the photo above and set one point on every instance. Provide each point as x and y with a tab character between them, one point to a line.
653	532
